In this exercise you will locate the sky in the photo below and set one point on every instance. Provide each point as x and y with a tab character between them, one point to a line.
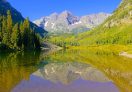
35	9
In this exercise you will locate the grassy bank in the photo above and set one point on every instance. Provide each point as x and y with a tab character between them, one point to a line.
113	48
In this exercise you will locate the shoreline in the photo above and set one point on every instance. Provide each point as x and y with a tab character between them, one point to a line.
125	54
49	46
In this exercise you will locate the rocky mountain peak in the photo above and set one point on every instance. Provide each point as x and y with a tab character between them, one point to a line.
66	22
69	17
54	16
66	13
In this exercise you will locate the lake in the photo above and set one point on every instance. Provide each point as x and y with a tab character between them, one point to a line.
65	71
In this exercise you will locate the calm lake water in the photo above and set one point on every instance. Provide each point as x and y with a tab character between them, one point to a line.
65	71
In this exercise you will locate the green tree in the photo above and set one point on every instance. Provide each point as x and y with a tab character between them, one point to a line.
18	36
19	43
9	25
9	21
4	30
15	36
21	28
26	24
1	35
26	34
37	41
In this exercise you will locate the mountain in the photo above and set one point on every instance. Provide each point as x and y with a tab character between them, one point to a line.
66	22
17	17
117	29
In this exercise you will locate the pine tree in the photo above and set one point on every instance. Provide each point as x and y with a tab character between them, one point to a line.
21	28
15	36
31	39
1	35
4	30
26	34
37	41
9	26
19	43
18	36
9	21
26	24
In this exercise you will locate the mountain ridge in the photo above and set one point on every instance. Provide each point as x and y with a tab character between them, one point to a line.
66	22
115	30
17	17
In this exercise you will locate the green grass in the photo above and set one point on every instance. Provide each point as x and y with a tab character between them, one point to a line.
116	35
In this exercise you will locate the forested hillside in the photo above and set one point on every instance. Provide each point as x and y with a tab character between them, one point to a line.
17	17
117	29
17	36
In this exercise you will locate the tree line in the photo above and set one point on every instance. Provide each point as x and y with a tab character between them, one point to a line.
18	36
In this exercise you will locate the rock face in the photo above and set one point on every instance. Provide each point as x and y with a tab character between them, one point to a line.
17	17
66	73
66	22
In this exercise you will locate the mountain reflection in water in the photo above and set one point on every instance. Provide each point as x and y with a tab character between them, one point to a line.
65	71
67	77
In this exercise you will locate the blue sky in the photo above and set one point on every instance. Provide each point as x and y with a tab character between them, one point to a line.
35	9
